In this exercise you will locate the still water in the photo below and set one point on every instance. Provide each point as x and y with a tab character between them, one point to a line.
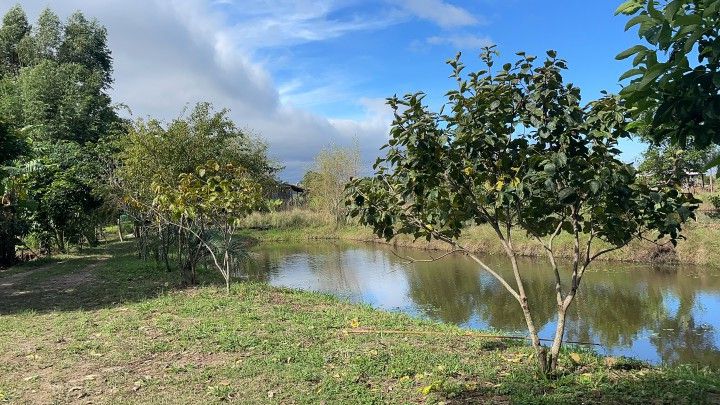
665	315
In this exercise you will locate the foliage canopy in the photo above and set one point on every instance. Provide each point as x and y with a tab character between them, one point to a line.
675	78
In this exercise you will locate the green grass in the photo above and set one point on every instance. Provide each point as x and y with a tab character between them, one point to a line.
701	246
105	327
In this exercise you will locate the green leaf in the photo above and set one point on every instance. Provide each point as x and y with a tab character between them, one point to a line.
631	73
687	20
630	51
671	9
638	19
651	74
628	7
567	195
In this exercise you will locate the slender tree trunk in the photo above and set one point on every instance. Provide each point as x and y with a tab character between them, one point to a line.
540	350
557	341
120	233
60	238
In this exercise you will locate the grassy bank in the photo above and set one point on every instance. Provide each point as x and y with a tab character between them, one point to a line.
702	246
104	327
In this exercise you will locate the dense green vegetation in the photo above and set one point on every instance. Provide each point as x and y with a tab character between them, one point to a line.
54	111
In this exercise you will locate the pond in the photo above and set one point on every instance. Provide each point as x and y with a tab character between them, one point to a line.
664	315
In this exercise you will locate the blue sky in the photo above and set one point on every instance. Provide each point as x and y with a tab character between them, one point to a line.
304	74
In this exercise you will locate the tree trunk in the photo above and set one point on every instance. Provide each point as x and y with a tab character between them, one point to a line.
60	238
120	234
557	341
540	350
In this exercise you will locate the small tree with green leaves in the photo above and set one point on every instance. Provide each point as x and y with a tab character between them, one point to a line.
670	164
334	167
209	204
514	149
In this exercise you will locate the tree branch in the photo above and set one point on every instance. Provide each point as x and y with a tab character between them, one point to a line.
409	259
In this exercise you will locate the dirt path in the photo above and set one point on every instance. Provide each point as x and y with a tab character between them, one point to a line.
22	283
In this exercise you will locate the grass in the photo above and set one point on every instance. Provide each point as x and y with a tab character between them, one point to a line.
105	327
701	246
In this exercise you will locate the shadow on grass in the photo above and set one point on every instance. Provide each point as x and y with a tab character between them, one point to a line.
104	276
591	385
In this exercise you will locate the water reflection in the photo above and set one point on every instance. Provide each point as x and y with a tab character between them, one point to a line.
660	315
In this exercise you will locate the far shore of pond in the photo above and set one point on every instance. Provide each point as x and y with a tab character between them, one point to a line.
701	246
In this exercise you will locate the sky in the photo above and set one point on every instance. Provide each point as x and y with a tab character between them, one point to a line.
306	74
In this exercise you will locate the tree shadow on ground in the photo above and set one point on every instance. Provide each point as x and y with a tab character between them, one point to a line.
100	277
685	384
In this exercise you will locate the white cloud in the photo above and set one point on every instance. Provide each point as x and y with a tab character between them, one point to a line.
170	54
461	42
441	12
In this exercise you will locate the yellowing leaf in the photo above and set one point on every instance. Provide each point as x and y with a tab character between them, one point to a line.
575	357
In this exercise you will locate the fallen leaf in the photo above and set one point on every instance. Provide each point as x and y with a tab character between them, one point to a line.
575	357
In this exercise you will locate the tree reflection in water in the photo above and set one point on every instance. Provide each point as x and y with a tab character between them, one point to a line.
622	306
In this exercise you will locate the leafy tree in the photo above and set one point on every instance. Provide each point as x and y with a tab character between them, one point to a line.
155	156
209	204
47	36
65	101
334	167
53	89
63	192
669	164
85	43
513	148
13	40
678	99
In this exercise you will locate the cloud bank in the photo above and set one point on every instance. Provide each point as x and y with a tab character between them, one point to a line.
173	53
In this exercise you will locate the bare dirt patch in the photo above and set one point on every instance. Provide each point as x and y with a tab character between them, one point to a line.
21	284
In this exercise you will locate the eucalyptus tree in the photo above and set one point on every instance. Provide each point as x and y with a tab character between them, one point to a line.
14	41
514	149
